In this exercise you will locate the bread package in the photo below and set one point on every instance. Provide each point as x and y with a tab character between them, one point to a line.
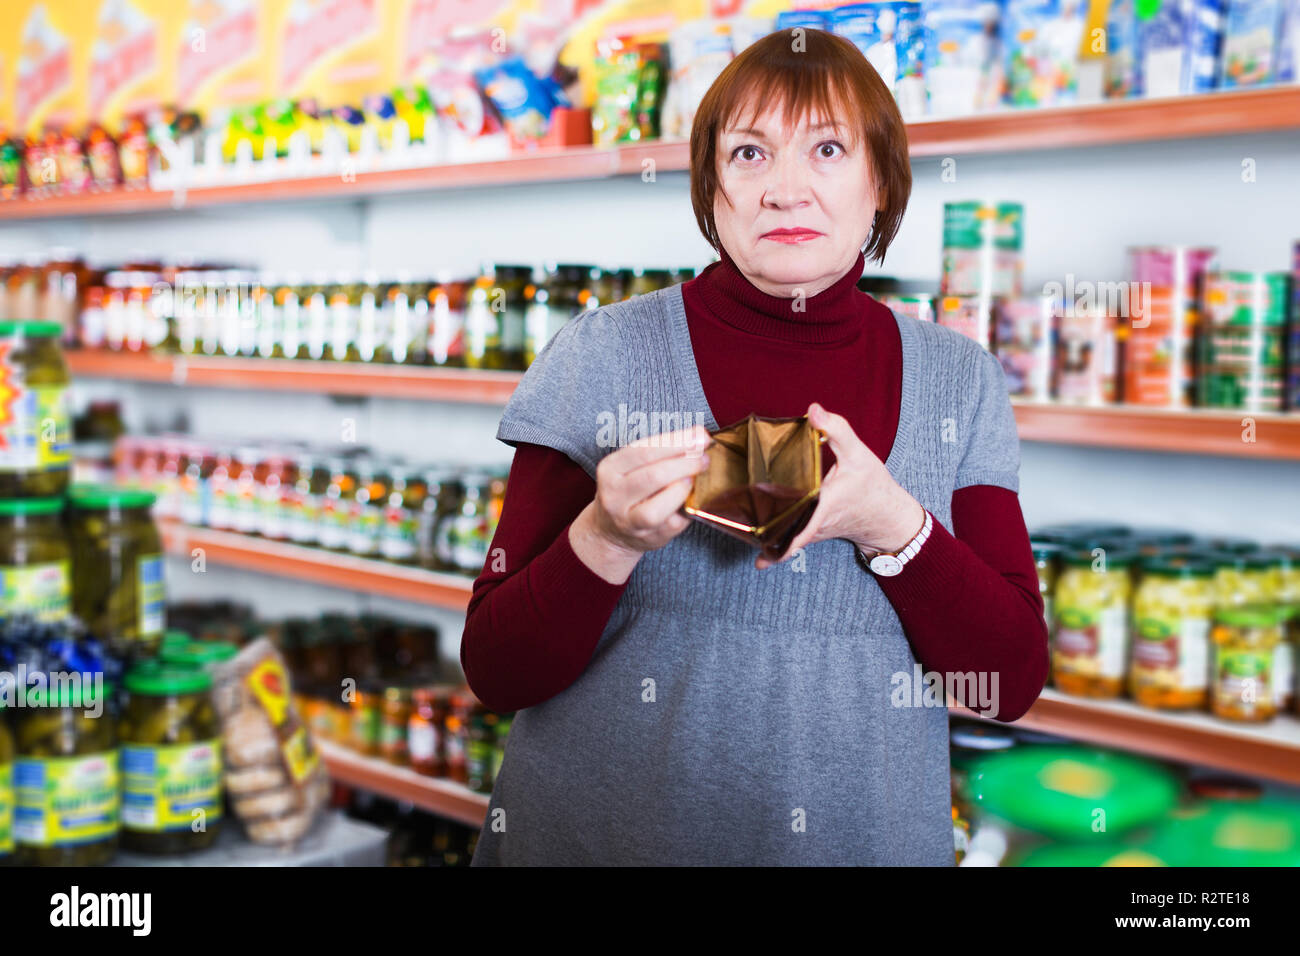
273	772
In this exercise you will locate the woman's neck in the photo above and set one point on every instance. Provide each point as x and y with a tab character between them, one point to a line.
829	317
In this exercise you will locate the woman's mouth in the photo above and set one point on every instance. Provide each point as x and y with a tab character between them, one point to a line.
791	235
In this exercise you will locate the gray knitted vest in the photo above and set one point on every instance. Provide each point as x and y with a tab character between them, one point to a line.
729	715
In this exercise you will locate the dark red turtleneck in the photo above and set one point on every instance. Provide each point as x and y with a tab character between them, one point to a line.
969	601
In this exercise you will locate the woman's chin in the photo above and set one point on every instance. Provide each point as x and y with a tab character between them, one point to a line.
789	264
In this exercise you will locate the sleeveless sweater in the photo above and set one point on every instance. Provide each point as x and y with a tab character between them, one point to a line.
730	715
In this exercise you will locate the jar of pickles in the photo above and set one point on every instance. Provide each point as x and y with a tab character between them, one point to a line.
1046	559
460	707
311	480
463	538
35	562
36	433
1283	589
1172	612
1243	577
171	760
1090	640
480	741
366	514
405	321
1245	639
117	567
66	760
400	527
367	717
336	504
395	718
444	492
447	310
6	789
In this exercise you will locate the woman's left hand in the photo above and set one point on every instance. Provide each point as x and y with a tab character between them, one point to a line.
859	500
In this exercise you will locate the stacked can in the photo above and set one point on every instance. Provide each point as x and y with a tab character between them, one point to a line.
1022	340
919	307
1242	340
1085	350
1158	333
982	262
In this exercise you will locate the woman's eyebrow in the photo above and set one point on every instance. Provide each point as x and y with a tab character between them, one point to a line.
750	131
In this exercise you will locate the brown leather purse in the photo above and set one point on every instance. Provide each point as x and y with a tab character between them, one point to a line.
762	483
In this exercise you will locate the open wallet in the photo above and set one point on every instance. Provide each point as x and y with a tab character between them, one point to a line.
762	482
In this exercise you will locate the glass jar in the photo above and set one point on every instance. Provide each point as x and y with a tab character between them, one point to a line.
371	339
333	529
222	489
463	537
267	331
315	298
344	312
456	734
480	741
242	492
444	493
1283	588
1046	560
288	307
66	758
504	722
275	477
1243	578
426	730
305	502
35	562
6	790
399	533
447	336
61	285
1245	638
404	320
196	485
367	717
36	432
1172	612
369	498
395	719
482	325
1090	639
171	761
117	567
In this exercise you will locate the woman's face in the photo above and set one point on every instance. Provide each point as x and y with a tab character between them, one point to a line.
801	201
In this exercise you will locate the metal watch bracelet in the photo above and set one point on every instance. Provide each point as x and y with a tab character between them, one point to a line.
888	564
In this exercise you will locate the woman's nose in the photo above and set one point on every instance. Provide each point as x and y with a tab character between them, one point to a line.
788	185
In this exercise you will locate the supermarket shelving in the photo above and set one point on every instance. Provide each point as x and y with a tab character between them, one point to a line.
442	797
1099	124
1276	436
321	377
260	555
1268	751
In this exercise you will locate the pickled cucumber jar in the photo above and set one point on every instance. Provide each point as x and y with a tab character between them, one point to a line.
1047	558
463	538
36	432
399	534
443	496
1243	578
367	508
1283	588
1090	637
314	322
482	325
6	789
311	481
35	561
405	321
117	567
203	656
367	718
66	777
289	318
336	504
1172	612
1245	638
395	718
171	760
344	313
447	315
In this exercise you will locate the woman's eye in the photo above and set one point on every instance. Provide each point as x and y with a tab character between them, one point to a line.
745	153
829	149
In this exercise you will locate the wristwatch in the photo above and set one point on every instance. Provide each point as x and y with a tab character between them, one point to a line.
887	564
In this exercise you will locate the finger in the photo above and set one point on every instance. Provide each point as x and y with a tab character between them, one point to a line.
843	439
658	508
649	479
664	445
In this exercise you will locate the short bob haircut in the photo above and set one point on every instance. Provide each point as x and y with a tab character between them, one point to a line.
808	73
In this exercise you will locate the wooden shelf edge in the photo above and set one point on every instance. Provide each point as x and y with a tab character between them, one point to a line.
1095	124
447	799
300	563
1169	737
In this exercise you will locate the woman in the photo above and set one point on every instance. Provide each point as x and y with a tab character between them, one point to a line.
680	700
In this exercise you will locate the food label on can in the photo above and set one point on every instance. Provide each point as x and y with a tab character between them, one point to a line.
151	596
35	431
6	808
170	787
42	590
61	801
1091	643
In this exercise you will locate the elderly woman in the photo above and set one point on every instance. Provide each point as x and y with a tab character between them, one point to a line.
681	699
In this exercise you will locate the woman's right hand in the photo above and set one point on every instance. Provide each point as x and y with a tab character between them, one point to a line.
640	489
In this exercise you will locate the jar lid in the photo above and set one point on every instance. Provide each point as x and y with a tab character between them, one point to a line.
1057	790
97	497
1230	545
1046	550
1223	833
30	506
160	680
196	654
1251	615
66	694
30	328
1178	566
1242	560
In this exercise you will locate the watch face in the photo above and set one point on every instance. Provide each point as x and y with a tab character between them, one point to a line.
886	565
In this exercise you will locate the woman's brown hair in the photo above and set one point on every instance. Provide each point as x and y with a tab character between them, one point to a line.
808	72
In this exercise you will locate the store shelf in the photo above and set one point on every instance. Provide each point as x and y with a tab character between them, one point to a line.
1100	124
1196	431
446	799
321	377
249	553
1269	751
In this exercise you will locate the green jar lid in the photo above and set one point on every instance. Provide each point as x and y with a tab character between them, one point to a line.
1177	566
1282	558
1252	615
1230	545
30	328
1241	560
160	680
1057	791
65	695
1116	558
1046	550
1224	833
1162	538
30	506
97	497
1068	854
197	654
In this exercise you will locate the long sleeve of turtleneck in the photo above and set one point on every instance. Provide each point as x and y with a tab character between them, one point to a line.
969	601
